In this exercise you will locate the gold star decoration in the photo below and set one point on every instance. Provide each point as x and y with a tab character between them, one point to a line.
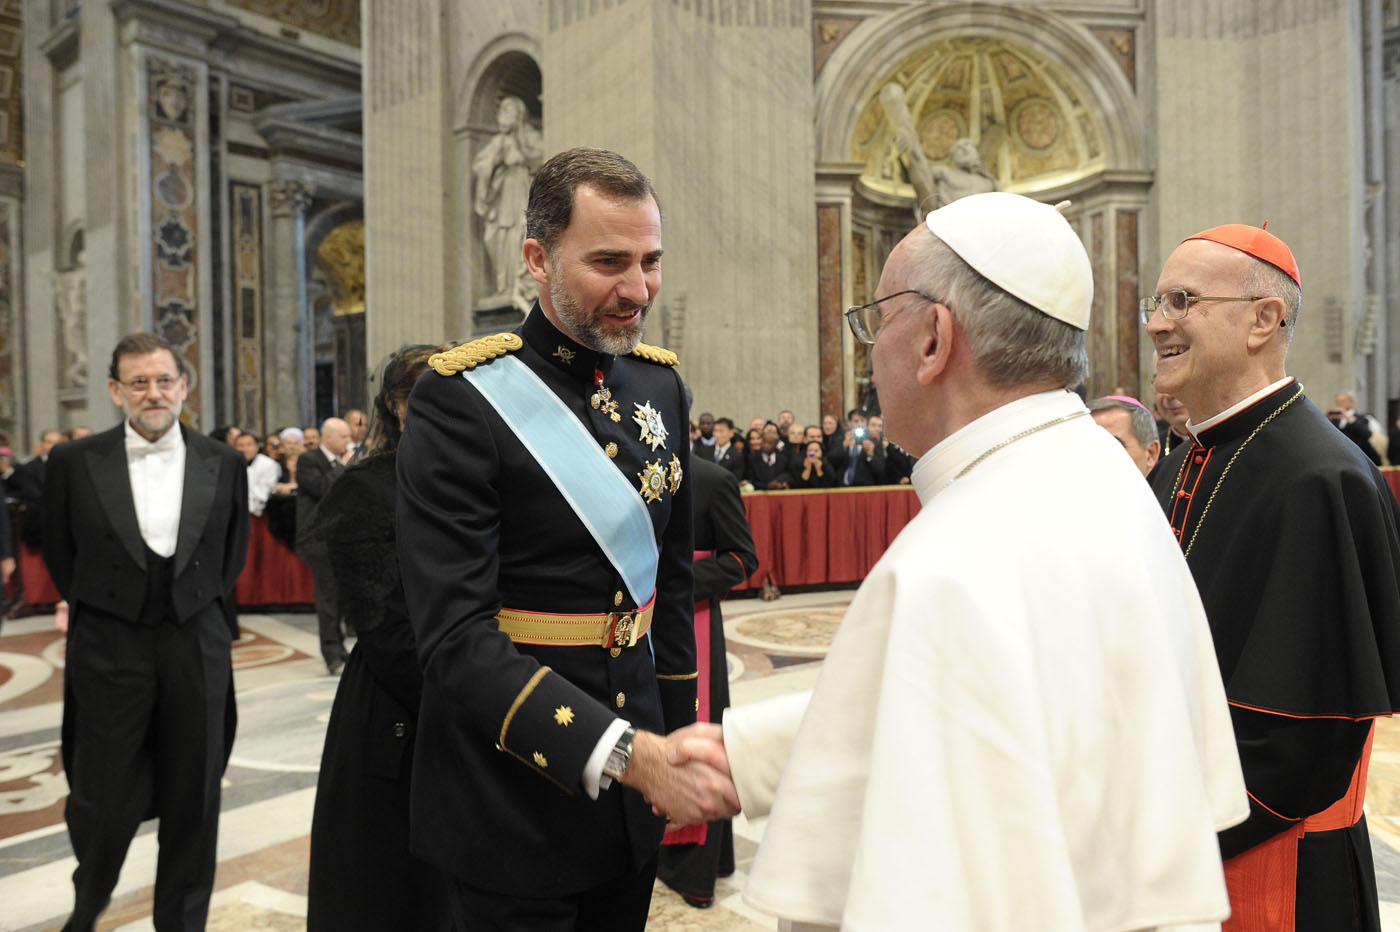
653	481
649	420
673	475
564	716
539	759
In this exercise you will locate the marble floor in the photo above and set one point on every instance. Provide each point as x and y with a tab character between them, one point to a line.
284	699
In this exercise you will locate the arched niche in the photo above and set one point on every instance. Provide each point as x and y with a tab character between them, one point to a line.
507	67
1054	117
335	264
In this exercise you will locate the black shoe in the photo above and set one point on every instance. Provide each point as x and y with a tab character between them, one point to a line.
696	902
333	667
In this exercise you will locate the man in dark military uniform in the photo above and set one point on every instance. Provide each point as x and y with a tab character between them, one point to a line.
545	543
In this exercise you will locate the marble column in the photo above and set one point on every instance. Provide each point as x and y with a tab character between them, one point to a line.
406	223
287	334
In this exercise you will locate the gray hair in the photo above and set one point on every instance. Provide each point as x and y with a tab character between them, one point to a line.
1269	281
1144	426
1012	342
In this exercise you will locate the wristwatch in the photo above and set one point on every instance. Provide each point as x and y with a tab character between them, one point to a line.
621	755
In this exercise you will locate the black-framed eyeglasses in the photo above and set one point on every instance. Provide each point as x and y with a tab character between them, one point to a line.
1175	303
867	319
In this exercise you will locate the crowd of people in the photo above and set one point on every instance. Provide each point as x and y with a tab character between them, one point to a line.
1004	736
782	454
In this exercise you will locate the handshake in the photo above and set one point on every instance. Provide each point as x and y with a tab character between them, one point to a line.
684	775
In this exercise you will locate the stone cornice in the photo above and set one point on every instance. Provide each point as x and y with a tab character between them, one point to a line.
187	29
61	45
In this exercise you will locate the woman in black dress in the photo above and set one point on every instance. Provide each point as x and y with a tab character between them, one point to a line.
362	875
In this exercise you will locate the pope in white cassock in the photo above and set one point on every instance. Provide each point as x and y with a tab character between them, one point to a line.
1021	724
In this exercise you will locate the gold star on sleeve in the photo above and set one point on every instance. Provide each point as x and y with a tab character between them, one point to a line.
564	716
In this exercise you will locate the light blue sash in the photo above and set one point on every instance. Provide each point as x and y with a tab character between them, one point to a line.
603	499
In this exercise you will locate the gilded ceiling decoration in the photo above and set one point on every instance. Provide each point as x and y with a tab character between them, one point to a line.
1026	115
334	19
342	253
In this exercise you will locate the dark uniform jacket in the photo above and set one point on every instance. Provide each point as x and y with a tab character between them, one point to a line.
505	729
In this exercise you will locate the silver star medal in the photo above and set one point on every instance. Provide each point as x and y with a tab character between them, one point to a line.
649	420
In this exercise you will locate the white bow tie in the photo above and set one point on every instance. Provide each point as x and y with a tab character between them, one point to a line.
139	447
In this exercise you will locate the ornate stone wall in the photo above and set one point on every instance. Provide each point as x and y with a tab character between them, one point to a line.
11	74
174	179
334	19
246	236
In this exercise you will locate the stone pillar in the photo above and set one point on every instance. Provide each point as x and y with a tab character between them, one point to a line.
287	335
405	126
719	113
1285	145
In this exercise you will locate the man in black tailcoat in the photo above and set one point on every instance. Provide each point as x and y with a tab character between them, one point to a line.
145	530
545	542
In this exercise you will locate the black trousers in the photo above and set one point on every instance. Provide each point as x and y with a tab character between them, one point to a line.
619	905
327	609
146	713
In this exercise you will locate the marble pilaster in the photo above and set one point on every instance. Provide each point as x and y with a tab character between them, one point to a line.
719	114
406	203
1288	149
287	334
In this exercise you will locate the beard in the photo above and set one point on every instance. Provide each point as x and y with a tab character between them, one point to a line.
587	327
151	422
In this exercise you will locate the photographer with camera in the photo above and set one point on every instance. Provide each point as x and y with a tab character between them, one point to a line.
813	471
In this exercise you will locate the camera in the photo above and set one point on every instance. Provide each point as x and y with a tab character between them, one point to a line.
858	433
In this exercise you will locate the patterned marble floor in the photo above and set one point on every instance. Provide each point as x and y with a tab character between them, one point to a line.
284	699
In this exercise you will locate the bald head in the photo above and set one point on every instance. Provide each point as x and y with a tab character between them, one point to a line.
335	435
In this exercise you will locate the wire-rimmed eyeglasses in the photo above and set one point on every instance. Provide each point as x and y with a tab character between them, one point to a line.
866	320
1176	302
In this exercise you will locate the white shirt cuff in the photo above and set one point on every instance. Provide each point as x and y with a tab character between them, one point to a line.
593	778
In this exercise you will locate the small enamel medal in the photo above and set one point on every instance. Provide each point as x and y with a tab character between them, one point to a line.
673	475
653	478
602	398
649	420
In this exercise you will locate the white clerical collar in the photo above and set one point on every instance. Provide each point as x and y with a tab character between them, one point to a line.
940	465
1236	408
138	446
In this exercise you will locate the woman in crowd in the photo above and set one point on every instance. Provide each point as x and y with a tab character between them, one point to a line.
814	472
362	875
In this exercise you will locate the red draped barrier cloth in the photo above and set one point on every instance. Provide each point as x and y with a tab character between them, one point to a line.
829	536
34	577
273	574
1392	478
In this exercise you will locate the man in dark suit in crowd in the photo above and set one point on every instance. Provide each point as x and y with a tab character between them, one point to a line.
725	453
704	445
25	482
145	532
767	468
316	470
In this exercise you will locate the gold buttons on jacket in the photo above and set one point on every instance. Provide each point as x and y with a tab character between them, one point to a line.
621	700
611	450
617	597
615	651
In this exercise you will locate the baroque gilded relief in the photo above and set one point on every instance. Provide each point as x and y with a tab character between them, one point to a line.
334	19
1025	115
342	254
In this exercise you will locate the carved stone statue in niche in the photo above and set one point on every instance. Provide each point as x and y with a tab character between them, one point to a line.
70	305
502	172
934	185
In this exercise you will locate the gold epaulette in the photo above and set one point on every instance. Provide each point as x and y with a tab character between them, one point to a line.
656	354
469	355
